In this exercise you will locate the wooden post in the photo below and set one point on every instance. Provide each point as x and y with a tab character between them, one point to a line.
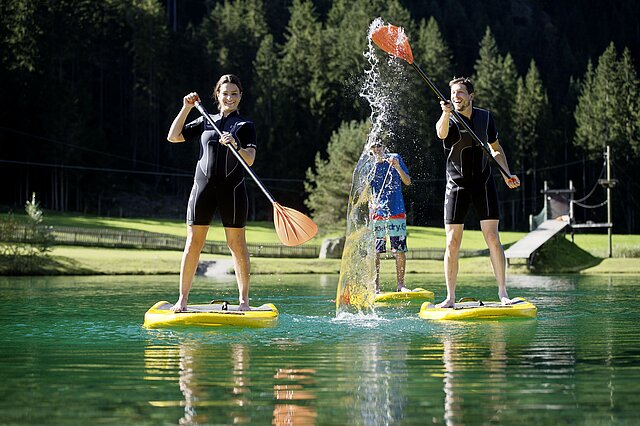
610	228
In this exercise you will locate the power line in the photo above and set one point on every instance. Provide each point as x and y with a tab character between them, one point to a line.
188	174
96	169
82	148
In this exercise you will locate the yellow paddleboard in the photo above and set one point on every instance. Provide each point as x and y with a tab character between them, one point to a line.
212	314
413	295
476	309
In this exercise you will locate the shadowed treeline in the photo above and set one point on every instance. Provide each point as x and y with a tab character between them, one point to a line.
90	88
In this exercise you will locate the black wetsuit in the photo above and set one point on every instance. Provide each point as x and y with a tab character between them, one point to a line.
219	178
469	178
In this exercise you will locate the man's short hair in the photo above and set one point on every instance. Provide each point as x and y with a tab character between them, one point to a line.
465	81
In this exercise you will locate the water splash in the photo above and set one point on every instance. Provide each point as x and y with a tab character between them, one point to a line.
356	285
360	320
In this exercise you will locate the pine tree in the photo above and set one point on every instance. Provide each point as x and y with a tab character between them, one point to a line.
20	32
488	74
529	111
329	185
434	56
432	52
529	117
630	108
607	109
265	69
233	33
299	90
148	44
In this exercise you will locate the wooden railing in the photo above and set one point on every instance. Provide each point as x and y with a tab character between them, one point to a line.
149	240
102	237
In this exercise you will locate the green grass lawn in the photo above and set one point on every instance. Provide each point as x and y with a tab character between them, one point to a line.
264	232
257	232
417	236
588	255
108	261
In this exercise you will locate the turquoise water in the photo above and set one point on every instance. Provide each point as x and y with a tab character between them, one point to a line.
64	361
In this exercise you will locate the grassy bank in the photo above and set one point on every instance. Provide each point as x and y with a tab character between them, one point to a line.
98	261
586	255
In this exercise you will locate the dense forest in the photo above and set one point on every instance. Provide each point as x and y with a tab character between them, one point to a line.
89	89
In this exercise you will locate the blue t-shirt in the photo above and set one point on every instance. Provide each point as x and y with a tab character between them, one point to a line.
387	193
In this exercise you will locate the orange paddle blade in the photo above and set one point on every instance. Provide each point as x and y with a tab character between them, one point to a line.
393	40
293	228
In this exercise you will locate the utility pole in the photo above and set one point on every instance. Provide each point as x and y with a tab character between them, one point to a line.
610	229
609	183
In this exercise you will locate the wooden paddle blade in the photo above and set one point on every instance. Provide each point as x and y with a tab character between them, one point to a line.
393	40
293	228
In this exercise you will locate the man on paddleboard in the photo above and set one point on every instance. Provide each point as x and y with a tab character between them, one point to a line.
387	209
470	181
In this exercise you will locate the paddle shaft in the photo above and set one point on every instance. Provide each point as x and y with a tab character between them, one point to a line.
461	120
235	152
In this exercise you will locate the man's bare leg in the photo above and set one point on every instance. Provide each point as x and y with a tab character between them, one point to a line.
241	263
496	254
196	236
451	256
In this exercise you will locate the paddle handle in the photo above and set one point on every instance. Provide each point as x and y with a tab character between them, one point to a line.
235	152
475	137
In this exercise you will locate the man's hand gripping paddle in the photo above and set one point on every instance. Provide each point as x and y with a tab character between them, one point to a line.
393	40
293	228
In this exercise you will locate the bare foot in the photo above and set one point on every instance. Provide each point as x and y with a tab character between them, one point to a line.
446	304
180	306
244	306
505	300
403	289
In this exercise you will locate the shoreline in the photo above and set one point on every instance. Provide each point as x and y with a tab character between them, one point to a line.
69	260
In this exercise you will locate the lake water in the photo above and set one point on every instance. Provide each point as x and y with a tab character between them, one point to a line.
73	351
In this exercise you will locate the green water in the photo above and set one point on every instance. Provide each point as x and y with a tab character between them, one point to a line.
73	352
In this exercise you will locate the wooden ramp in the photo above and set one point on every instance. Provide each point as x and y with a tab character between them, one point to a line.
526	247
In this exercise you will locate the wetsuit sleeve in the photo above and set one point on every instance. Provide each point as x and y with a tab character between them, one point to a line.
193	129
247	135
454	134
492	133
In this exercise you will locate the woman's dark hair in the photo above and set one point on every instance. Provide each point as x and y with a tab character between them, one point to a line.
465	81
227	78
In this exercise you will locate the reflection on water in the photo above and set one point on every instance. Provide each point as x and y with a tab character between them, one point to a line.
78	342
294	397
461	357
195	363
380	399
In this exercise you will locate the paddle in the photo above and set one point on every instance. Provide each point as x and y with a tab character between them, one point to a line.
293	228
393	40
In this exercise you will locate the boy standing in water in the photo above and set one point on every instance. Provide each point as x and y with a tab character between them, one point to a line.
388	211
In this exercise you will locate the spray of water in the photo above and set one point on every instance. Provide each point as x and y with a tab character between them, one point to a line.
356	285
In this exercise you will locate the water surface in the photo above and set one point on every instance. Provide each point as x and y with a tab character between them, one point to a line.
74	352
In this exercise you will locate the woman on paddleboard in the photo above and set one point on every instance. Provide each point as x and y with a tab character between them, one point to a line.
218	184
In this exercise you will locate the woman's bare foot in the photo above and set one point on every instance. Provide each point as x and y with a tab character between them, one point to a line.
244	306
180	306
403	289
447	303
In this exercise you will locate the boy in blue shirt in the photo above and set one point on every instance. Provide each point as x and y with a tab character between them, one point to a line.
387	209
